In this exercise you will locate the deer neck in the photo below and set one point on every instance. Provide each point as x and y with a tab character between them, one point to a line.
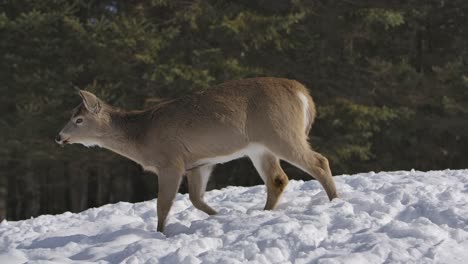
127	133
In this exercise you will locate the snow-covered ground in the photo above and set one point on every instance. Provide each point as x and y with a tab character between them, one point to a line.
394	217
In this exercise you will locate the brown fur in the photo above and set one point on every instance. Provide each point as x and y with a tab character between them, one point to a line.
187	135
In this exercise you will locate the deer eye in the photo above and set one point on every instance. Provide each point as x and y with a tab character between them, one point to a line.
79	120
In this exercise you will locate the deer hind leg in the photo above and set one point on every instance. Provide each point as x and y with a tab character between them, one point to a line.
197	180
268	166
318	167
315	164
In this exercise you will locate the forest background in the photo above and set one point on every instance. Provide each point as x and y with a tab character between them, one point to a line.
390	83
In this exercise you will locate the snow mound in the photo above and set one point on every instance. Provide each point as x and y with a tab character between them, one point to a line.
381	217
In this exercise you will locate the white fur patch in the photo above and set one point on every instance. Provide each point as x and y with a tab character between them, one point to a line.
251	150
305	106
89	144
258	164
151	169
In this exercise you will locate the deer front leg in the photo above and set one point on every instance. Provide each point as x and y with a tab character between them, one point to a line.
168	185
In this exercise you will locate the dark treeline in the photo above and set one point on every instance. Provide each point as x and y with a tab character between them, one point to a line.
390	83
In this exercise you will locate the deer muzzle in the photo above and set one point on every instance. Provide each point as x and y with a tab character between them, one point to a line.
61	140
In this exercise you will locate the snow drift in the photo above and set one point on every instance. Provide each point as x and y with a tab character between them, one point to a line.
380	217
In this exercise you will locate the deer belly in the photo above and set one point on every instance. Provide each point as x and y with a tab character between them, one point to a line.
253	149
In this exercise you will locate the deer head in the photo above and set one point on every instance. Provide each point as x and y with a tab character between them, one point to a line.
88	124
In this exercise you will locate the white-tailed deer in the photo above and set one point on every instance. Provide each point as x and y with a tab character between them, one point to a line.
266	119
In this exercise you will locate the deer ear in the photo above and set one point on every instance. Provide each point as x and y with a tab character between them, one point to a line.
90	101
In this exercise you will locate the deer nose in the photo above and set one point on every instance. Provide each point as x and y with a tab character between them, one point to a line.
58	139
